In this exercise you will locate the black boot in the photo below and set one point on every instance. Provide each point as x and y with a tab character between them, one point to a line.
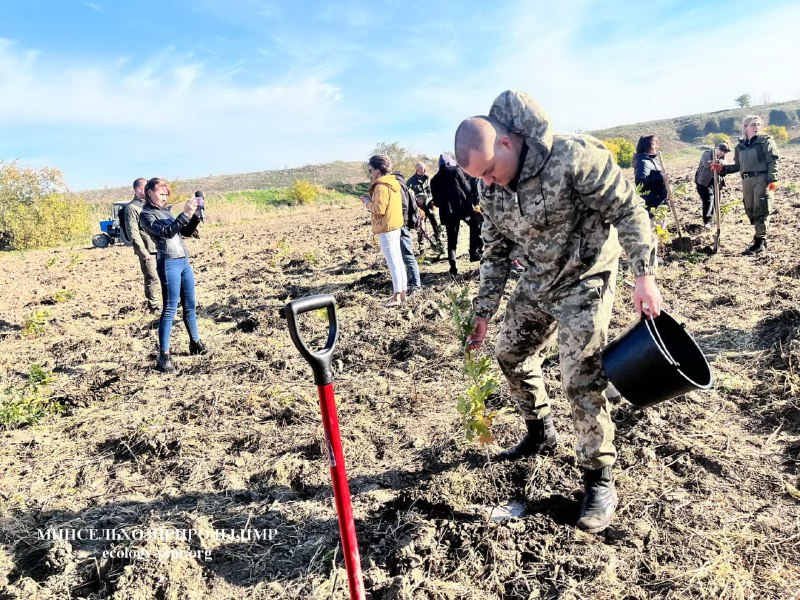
164	363
599	501
197	347
540	439
453	268
759	246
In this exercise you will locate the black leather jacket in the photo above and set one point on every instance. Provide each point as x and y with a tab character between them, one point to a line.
167	230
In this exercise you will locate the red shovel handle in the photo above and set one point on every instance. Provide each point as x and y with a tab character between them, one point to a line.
320	362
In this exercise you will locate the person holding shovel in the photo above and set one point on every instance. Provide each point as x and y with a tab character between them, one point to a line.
756	158
563	203
704	180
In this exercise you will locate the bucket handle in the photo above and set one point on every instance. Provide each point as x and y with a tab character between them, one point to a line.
320	360
662	345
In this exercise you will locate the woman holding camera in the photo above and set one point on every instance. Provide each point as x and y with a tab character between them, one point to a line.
174	270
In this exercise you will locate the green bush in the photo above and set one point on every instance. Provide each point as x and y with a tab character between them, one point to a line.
28	404
302	191
777	133
37	322
728	124
622	150
690	132
715	139
782	117
37	211
711	126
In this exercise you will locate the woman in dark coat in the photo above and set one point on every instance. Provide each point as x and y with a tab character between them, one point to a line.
649	173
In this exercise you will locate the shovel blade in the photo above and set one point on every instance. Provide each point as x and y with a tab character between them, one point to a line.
682	244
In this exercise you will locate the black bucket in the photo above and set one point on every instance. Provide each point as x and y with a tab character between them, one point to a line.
655	360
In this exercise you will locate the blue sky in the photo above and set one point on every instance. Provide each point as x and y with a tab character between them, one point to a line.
108	91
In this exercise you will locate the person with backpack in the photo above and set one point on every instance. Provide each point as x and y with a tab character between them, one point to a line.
174	270
411	220
704	180
385	205
756	158
144	247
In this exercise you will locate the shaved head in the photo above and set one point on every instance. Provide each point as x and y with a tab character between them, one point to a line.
485	148
477	134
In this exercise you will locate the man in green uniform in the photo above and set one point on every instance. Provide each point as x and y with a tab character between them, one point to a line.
563	203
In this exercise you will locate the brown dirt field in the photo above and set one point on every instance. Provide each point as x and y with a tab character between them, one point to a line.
234	440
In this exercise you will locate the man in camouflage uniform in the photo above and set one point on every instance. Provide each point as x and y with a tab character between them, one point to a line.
563	202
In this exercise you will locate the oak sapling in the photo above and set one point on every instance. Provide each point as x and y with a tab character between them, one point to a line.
475	417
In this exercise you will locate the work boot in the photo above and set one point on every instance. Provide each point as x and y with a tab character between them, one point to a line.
599	501
759	246
197	347
164	363
540	439
453	268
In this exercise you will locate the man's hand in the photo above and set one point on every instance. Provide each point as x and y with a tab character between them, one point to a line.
772	186
647	297
717	166
478	334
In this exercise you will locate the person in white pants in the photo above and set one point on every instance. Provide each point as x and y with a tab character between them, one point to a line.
385	203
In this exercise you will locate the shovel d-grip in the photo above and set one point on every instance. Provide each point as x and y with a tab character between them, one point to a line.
320	362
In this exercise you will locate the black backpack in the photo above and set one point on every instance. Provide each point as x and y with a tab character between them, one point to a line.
123	226
409	203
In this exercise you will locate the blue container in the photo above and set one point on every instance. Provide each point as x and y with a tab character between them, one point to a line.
105	226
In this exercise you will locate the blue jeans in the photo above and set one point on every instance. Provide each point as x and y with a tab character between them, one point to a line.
177	282
407	250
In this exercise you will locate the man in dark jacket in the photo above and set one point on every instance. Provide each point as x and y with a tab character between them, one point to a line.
451	193
143	246
419	184
704	180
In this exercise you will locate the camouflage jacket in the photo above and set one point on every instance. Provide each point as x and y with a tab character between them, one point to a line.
571	206
755	155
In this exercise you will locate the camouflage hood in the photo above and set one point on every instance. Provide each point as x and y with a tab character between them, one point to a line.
523	115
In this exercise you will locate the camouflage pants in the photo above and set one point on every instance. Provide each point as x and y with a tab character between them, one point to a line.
580	320
756	203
